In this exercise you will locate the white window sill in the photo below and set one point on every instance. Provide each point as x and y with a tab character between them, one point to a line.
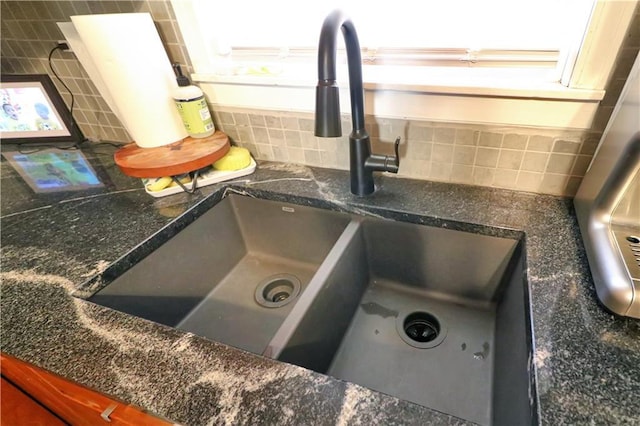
473	95
516	83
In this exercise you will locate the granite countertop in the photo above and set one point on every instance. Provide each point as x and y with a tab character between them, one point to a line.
587	361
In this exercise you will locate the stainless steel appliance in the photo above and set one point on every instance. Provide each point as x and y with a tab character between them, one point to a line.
608	205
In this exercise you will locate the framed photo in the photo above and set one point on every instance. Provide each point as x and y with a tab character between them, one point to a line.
34	112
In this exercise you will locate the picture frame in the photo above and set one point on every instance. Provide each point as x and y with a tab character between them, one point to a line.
33	112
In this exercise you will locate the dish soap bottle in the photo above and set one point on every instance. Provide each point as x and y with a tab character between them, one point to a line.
192	107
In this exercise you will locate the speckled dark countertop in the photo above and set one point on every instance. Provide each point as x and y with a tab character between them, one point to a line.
587	361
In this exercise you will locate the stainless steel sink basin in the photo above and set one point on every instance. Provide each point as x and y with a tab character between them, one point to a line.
233	275
434	316
429	315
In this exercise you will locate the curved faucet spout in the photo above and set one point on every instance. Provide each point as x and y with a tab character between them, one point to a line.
327	122
327	50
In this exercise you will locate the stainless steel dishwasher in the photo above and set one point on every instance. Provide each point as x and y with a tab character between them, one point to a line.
608	205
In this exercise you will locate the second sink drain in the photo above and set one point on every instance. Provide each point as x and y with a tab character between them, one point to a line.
277	290
420	329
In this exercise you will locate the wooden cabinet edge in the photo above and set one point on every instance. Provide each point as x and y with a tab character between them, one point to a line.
16	406
70	401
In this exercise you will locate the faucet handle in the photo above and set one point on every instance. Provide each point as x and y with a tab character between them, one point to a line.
395	147
392	164
384	163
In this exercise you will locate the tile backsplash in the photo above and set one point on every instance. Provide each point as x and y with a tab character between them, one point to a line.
551	161
530	159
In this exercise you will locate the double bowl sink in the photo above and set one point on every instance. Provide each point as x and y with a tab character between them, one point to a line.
435	316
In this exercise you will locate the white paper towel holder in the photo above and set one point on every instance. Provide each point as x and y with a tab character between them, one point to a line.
184	156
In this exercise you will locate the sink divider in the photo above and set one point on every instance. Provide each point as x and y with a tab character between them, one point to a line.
297	337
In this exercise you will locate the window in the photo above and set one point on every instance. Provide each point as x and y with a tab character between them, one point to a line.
437	33
502	48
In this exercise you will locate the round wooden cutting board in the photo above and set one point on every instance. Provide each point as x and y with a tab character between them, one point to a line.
177	158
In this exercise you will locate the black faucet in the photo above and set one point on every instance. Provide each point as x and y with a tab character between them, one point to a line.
362	162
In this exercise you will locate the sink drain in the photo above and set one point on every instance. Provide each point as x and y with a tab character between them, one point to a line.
420	329
277	290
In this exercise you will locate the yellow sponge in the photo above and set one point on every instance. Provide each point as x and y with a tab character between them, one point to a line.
237	158
158	184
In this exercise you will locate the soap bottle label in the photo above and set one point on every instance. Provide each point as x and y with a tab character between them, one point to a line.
195	115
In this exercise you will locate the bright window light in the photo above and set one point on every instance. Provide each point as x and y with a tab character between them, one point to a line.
442	60
422	33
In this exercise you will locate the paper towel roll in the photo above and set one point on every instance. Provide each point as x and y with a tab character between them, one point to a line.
133	64
80	50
